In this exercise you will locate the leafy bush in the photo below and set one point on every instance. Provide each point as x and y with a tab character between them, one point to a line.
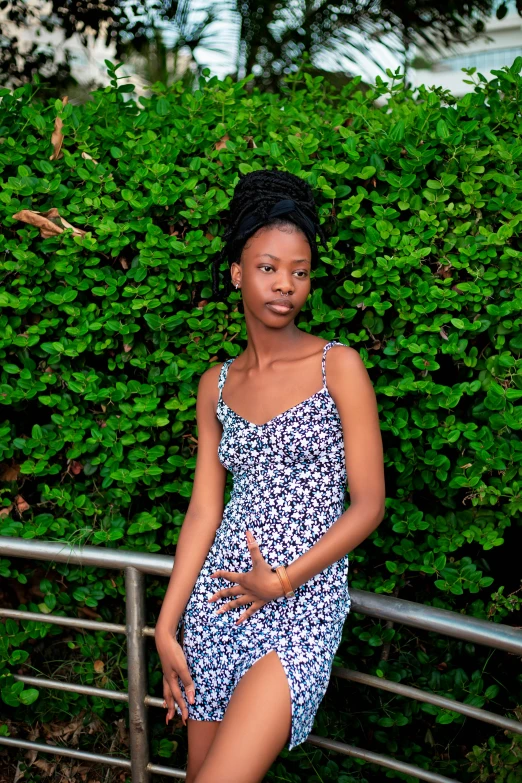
108	321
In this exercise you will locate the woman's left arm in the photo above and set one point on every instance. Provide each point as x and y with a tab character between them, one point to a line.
350	386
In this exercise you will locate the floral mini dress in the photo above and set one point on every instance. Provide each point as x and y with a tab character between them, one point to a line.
289	484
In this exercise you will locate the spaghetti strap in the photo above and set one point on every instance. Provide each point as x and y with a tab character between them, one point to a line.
325	350
223	376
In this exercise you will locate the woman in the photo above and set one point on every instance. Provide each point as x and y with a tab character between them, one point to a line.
258	643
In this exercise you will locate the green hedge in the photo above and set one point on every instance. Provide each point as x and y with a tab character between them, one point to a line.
105	332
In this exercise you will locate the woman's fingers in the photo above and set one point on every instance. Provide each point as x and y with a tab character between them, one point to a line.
250	611
176	692
241	601
225	592
253	548
188	682
169	700
231	576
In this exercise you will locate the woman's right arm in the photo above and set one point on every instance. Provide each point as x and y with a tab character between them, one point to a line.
203	517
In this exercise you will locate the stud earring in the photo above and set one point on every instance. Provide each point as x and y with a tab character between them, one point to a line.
236	286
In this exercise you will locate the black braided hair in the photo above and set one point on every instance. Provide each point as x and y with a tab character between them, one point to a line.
257	192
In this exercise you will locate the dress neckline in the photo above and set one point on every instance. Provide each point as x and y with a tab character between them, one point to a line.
279	415
324	388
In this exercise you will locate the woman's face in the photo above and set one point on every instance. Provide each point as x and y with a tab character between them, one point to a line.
275	265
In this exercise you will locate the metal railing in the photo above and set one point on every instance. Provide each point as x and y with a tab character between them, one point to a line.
137	564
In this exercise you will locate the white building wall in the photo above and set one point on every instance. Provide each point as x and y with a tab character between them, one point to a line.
500	45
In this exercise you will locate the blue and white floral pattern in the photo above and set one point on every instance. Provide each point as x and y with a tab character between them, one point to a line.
289	483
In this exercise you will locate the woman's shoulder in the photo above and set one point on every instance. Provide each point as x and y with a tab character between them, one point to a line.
336	345
209	380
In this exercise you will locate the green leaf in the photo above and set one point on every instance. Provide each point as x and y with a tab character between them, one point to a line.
397	131
366	172
442	130
29	696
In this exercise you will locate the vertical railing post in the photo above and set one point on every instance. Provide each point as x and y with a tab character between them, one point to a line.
137	674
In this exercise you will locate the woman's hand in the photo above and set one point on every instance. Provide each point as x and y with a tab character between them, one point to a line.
174	667
255	587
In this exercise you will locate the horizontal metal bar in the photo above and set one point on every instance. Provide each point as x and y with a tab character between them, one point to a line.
70	622
377	758
83	755
60	750
429	698
170	772
63	552
502	637
72	687
154	701
444	621
88	690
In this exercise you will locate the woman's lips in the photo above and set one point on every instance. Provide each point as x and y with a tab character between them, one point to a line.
283	309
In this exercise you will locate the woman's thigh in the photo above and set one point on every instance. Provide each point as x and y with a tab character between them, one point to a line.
255	728
201	734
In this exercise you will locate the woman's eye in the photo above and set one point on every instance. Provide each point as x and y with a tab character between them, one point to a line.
301	272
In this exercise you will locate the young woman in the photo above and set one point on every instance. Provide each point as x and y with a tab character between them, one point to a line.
260	585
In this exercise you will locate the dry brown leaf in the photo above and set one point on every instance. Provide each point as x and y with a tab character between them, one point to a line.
250	143
69	732
86	156
94	726
48	768
124	263
76	467
57	136
5	511
9	472
127	347
30	757
90	613
98	666
222	143
21	504
18	773
50	223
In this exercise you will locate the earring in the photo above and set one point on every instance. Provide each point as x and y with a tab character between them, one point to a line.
236	286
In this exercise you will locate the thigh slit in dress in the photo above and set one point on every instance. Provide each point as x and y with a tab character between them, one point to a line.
289	484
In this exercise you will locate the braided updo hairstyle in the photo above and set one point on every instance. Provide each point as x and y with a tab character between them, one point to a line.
256	193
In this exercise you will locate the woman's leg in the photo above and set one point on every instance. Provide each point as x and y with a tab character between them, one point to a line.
201	734
255	728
